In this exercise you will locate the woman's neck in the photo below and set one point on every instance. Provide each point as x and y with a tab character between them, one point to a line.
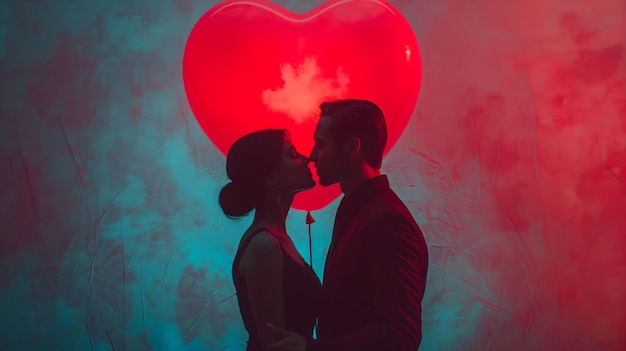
272	210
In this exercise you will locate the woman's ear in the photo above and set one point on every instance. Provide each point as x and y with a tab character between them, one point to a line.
271	179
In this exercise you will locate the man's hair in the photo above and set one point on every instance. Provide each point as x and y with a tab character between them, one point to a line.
358	118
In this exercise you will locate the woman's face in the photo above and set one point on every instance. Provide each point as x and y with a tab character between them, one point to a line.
293	174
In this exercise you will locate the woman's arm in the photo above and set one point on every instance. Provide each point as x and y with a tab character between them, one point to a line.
263	272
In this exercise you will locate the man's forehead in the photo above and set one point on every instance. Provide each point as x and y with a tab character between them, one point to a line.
324	120
322	125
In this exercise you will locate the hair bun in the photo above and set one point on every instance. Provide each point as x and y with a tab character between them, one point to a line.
236	199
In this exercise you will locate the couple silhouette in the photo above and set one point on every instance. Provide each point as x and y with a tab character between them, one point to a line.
376	267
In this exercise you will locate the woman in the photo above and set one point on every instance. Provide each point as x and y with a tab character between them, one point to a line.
274	284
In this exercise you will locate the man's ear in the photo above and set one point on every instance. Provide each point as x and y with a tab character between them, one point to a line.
353	146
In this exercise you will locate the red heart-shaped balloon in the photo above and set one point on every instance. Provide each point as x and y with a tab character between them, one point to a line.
251	65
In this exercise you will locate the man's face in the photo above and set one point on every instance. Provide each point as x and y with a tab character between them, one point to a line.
329	159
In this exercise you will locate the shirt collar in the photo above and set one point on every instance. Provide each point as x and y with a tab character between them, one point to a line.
364	192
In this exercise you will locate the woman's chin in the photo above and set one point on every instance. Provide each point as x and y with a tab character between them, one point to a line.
305	188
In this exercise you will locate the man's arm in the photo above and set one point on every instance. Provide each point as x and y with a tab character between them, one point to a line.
398	258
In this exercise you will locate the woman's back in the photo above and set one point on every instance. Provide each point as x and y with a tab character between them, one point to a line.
301	294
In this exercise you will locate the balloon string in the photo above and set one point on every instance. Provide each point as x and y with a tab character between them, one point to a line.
309	221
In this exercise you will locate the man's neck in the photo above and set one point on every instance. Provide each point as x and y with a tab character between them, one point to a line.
354	181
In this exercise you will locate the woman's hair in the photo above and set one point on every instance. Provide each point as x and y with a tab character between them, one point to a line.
250	159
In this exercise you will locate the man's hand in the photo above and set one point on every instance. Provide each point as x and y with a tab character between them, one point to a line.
289	341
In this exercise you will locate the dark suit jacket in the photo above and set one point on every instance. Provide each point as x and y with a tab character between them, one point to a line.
375	275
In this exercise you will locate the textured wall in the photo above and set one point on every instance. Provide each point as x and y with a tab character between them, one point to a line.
514	164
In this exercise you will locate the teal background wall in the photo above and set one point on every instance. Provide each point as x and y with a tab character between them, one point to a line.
514	164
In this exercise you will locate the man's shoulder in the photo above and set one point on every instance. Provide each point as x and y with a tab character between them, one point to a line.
387	203
392	217
371	215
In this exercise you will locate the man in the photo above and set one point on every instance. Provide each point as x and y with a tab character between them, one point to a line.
376	267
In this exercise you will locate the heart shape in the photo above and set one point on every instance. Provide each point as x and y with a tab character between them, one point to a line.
251	65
